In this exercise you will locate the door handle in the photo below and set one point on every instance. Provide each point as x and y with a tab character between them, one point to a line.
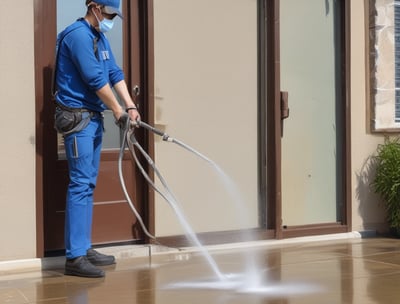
135	94
136	90
284	105
284	108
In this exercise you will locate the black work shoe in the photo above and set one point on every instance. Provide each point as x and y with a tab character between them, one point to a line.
81	267
99	259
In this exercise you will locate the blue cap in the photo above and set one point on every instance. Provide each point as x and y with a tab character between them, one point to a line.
110	6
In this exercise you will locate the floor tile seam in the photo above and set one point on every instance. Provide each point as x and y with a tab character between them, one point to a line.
23	295
381	262
378	253
353	278
286	243
15	290
391	273
310	262
46	300
392	265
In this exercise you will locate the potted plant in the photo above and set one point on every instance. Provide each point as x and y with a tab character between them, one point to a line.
386	182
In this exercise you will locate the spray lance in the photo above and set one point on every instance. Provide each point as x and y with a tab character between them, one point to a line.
168	138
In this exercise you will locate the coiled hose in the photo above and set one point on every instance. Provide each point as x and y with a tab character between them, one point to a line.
130	140
127	129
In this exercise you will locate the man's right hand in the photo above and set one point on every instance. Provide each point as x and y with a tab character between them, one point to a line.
119	113
134	115
122	121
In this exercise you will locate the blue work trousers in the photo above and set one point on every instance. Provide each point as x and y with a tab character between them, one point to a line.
83	150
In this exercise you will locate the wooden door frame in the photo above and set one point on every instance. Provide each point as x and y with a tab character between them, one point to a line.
271	133
274	128
45	37
146	20
45	34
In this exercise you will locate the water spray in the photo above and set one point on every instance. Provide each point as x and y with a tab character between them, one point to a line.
168	138
129	140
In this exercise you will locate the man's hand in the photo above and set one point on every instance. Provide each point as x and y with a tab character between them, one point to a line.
122	121
118	113
133	114
123	93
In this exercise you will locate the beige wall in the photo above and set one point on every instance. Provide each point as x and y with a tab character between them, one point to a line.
17	131
206	96
367	212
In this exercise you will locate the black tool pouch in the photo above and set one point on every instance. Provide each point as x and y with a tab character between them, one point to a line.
66	122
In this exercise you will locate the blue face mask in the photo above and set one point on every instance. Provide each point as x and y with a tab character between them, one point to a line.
105	25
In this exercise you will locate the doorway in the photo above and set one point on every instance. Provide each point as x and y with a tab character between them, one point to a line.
113	221
311	136
307	117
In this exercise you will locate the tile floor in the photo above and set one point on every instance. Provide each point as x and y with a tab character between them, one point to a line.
340	271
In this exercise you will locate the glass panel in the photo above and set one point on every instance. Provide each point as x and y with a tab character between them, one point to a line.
67	12
310	71
206	95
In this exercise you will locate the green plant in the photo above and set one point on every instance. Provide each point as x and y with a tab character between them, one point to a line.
387	179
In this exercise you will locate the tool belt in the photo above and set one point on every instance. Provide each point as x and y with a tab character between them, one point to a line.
70	120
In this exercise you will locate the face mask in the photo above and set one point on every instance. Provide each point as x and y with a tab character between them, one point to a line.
105	25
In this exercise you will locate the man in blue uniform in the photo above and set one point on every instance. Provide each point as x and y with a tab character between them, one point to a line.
86	72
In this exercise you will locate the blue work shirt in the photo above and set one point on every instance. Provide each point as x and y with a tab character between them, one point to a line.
85	64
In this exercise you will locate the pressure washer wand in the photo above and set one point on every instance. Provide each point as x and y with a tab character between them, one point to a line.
166	137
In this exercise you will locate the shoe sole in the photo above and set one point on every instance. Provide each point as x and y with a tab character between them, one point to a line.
79	274
101	263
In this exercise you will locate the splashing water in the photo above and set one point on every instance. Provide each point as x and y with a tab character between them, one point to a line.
253	278
249	282
193	237
237	283
231	188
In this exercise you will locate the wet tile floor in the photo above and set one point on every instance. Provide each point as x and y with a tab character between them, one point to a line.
341	271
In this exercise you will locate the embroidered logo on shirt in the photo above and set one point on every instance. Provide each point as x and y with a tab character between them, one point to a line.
105	55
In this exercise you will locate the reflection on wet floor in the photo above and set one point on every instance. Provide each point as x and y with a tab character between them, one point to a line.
341	271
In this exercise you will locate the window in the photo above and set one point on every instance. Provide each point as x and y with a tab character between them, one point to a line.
384	65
